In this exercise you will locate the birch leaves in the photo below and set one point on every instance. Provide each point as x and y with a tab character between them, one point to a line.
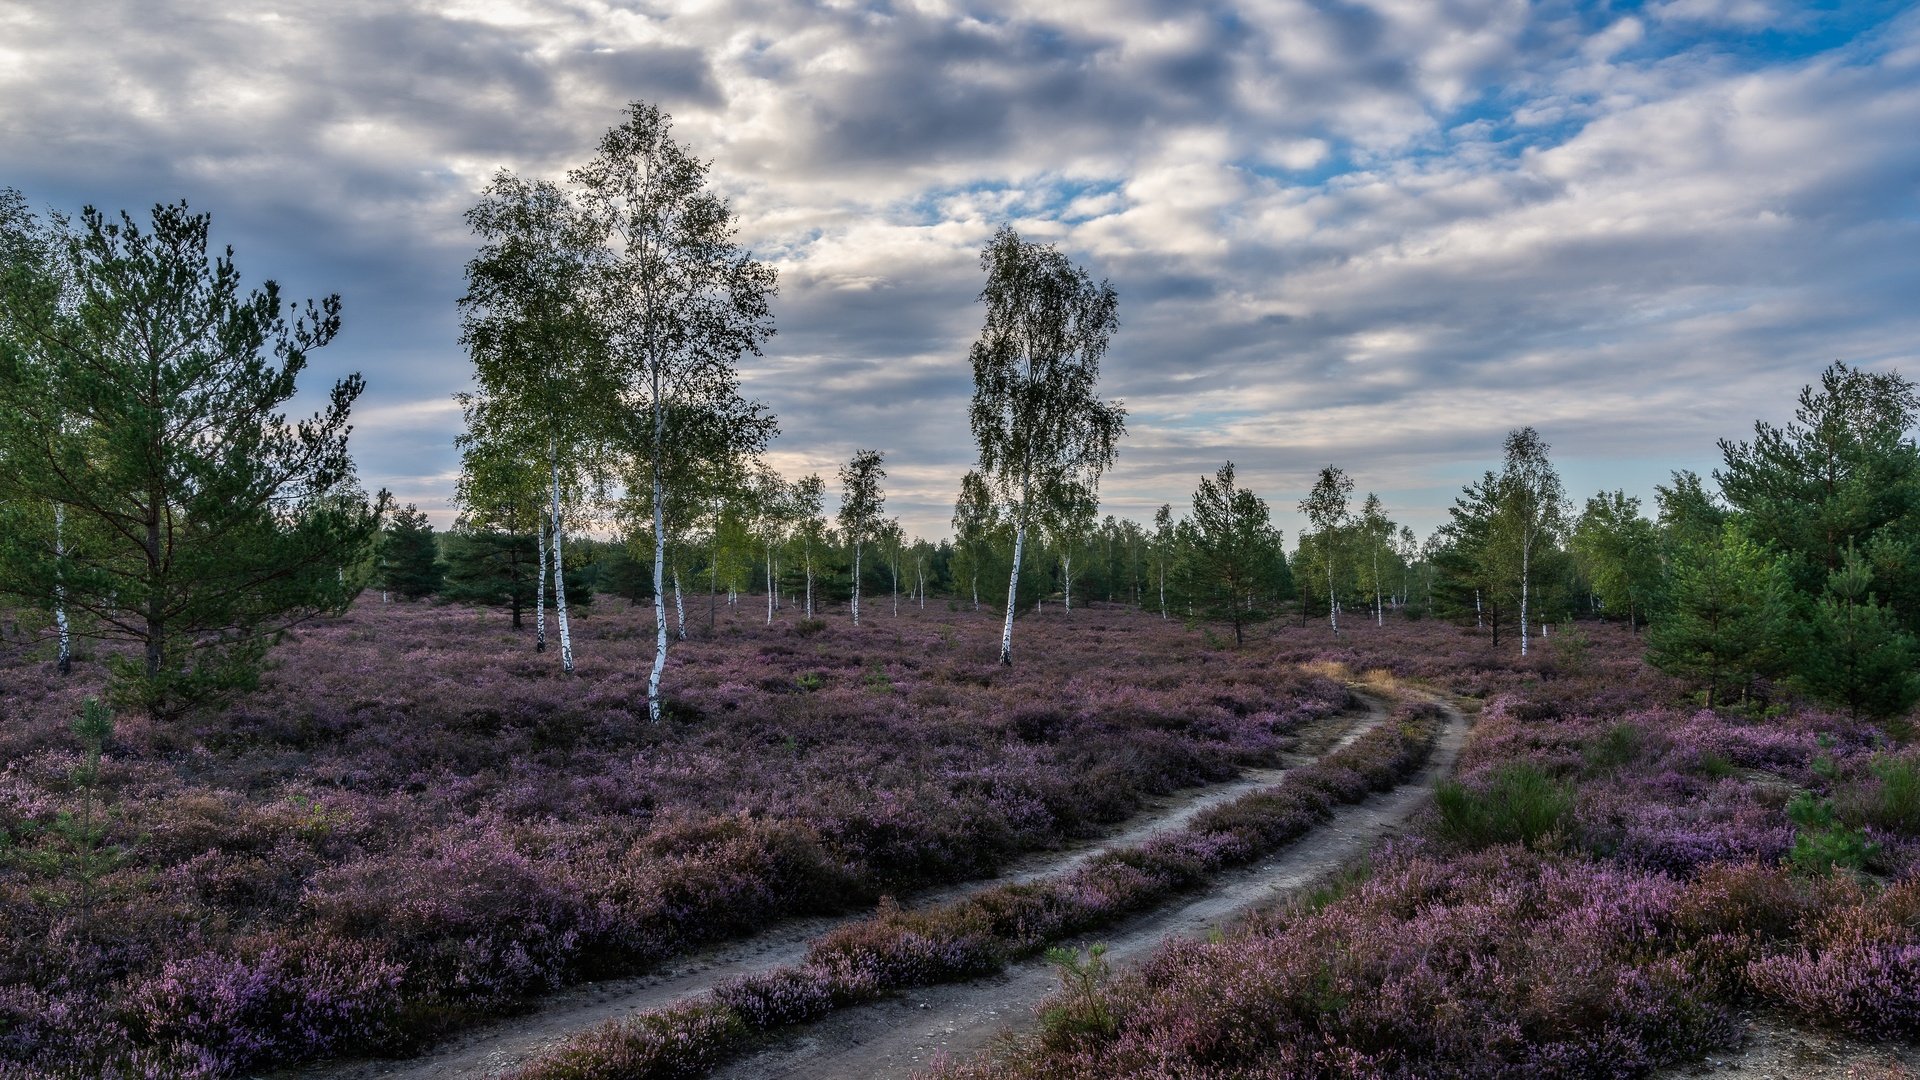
606	320
1045	438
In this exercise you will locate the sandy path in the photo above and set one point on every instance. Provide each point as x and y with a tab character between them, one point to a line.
899	1036
493	1048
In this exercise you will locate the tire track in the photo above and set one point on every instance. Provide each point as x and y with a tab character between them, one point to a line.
496	1047
897	1037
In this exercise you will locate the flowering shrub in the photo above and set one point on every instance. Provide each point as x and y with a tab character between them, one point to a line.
417	821
899	948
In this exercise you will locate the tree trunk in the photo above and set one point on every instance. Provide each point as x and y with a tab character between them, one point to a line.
770	586
1163	587
809	580
679	606
540	589
856	583
1013	594
1478	622
1066	572
65	663
660	583
1525	552
1333	603
559	572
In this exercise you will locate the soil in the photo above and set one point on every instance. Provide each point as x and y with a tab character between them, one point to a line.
493	1049
1777	1048
901	1036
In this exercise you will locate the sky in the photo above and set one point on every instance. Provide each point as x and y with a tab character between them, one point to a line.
1371	233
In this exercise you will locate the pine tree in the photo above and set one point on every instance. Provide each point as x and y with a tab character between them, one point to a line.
410	556
141	394
1855	653
1229	561
1725	618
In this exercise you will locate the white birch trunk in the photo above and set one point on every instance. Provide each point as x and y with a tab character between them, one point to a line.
896	588
1379	613
540	592
1333	602
679	604
809	581
1066	571
65	662
1013	595
1525	552
1163	589
1478	622
770	589
559	572
856	583
660	585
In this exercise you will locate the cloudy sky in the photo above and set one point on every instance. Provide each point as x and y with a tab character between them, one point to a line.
1377	233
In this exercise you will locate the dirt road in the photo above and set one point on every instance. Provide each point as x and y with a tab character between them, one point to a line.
493	1049
899	1036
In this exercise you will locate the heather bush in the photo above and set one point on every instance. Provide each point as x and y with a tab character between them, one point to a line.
900	947
1857	964
414	782
1499	963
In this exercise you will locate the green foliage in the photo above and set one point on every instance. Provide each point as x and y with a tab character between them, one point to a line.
1080	1012
71	853
1844	474
1228	554
1822	843
1520	804
142	391
1621	746
1725	616
1619	553
1855	653
409	557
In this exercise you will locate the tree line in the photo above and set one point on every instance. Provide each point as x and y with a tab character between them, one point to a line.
154	491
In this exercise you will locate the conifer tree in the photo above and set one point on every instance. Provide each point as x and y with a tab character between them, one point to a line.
410	556
141	394
1726	613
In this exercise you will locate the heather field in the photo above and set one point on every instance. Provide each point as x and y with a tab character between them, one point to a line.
1616	882
417	822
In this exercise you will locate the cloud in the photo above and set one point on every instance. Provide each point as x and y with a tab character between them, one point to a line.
1376	232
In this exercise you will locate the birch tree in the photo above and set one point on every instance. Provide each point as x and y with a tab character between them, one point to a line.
1326	510
772	502
810	527
684	301
1532	509
1163	549
861	500
1376	530
529	325
975	521
1068	516
1039	425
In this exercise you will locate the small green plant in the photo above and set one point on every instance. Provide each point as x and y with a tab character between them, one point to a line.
1080	1012
810	682
1896	805
1521	804
878	680
809	627
72	850
1823	765
1570	649
1822	843
1716	765
1619	747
